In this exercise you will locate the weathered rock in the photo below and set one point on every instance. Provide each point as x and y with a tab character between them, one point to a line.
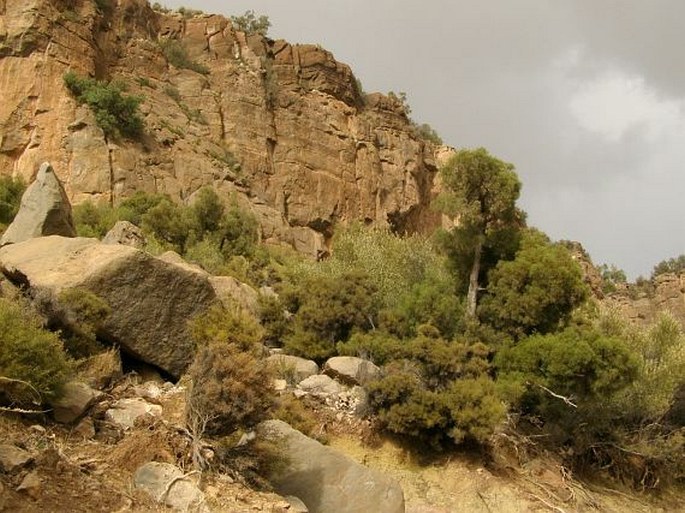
351	370
167	485
125	412
293	368
320	385
12	458
84	429
31	484
326	480
151	300
281	127
127	234
75	400
231	292
44	210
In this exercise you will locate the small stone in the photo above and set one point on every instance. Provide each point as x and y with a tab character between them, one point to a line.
37	428
280	385
13	458
84	429
125	412
295	505
75	400
31	484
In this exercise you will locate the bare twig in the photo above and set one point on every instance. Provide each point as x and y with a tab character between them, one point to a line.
7	409
171	483
558	396
549	505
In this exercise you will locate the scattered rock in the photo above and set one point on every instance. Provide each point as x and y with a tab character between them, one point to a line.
84	429
12	458
148	390
151	300
320	386
75	400
127	234
168	485
326	480
125	412
31	484
351	370
44	210
280	385
293	368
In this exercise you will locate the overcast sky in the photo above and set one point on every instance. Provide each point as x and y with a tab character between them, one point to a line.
585	97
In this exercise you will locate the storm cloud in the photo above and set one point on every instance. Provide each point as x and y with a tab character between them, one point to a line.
585	98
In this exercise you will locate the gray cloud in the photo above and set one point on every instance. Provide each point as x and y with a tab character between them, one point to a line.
504	75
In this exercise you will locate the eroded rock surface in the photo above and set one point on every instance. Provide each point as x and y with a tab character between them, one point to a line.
326	480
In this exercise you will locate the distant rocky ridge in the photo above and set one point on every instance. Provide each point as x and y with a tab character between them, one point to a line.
284	129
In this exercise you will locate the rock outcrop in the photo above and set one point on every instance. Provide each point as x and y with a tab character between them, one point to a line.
283	129
44	210
326	480
151	300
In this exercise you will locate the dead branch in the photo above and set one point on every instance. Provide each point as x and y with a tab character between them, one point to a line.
171	483
7	409
38	397
558	396
549	505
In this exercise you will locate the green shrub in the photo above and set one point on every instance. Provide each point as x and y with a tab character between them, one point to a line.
82	313
250	23
177	55
232	385
116	113
170	223
536	292
328	310
30	353
437	391
11	191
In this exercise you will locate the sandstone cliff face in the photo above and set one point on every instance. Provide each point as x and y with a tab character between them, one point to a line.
281	128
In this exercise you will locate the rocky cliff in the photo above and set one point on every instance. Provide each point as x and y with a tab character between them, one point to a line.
282	128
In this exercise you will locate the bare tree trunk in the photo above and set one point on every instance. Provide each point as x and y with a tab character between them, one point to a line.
472	295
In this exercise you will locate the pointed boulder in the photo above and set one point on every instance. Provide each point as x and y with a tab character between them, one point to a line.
44	210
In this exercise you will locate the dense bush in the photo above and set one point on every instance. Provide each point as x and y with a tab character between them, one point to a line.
536	292
30	353
438	391
672	265
115	112
231	383
327	310
11	190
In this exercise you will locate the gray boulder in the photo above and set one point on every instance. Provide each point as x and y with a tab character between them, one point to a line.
75	400
320	386
151	300
326	480
44	210
351	370
127	234
168	485
293	368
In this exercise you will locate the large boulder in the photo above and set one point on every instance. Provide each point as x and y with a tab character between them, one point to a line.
293	368
126	233
326	480
151	300
44	210
351	370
